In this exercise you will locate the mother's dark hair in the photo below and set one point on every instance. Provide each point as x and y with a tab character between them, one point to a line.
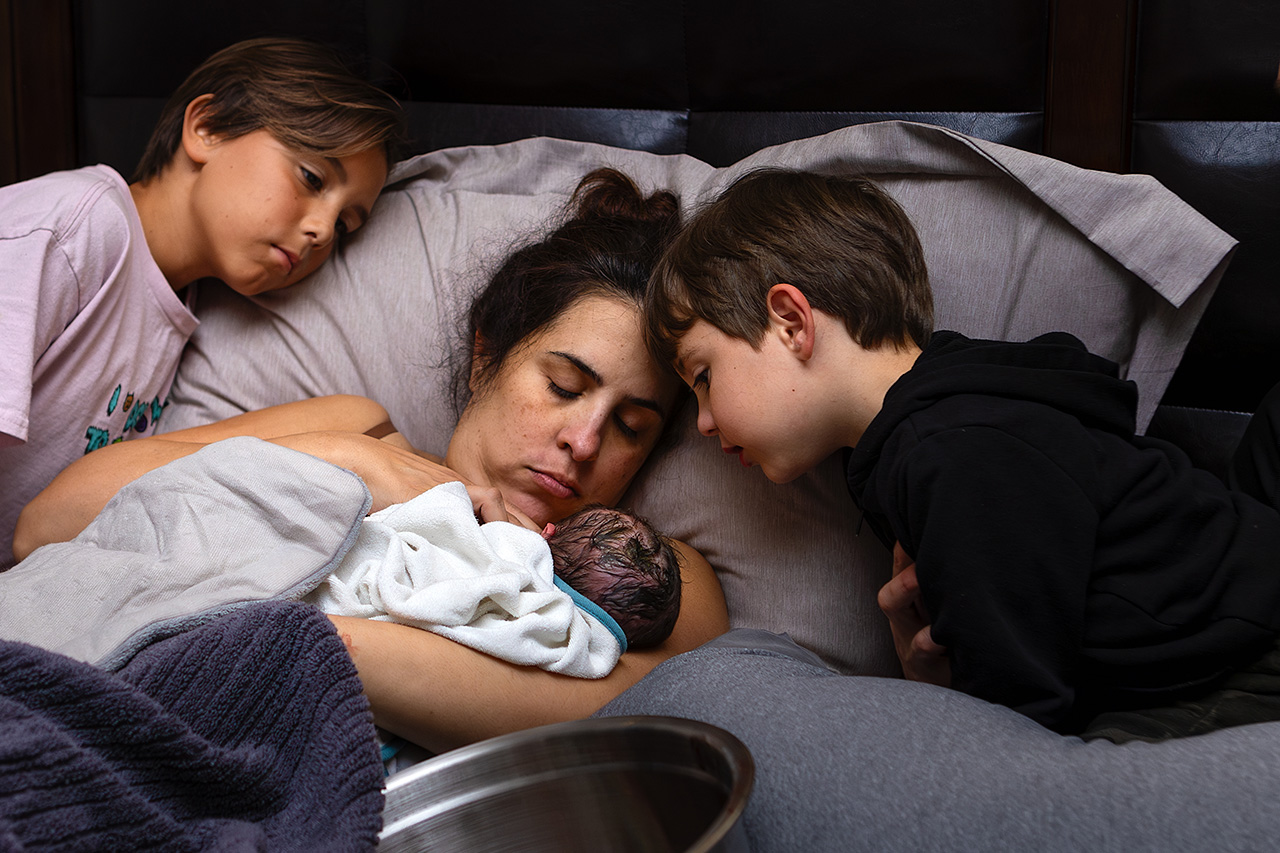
607	246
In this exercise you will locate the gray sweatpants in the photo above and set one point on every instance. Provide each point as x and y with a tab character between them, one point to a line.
858	763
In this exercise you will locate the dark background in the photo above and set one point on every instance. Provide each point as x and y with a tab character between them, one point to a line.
1180	89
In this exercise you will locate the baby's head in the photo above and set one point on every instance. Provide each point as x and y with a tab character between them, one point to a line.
621	563
842	241
302	93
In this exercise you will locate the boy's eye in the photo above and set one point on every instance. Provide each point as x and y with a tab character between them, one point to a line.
340	228
703	378
313	180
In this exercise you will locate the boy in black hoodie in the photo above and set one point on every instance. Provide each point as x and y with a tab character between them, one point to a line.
1046	557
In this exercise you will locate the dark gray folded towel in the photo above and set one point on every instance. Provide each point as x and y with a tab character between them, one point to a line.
248	733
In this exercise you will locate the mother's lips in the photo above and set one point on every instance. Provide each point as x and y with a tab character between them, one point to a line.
554	485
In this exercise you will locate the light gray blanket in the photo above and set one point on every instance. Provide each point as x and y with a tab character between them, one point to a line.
239	521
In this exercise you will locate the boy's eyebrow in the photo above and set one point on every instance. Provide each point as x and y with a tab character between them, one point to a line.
679	362
678	365
643	402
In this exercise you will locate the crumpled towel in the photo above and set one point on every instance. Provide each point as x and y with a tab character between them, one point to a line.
250	732
428	563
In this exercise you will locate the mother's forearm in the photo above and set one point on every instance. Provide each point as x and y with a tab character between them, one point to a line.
78	494
441	694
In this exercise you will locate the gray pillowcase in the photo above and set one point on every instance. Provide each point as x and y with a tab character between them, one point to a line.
1017	245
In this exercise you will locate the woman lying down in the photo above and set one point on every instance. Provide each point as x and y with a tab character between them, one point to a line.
565	405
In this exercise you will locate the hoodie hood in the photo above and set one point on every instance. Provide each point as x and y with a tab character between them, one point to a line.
1054	369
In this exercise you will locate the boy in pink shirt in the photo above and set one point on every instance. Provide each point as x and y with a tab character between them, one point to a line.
261	160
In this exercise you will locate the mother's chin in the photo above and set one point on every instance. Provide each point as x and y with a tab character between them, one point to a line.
545	498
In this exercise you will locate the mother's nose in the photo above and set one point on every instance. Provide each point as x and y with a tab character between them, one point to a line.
583	436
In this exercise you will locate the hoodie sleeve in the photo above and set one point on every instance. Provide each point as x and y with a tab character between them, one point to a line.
1003	540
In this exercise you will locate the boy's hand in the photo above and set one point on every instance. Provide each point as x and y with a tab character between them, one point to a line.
922	659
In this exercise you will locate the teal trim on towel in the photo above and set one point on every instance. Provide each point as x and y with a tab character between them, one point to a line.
595	610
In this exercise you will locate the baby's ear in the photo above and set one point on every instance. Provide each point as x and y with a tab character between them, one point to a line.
197	139
791	318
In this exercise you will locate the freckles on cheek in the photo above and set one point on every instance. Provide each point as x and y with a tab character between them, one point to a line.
626	467
524	419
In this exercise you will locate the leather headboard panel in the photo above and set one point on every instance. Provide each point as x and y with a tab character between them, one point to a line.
935	55
1208	127
721	138
710	78
1230	172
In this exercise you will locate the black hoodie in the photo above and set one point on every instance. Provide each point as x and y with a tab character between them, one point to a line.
1069	566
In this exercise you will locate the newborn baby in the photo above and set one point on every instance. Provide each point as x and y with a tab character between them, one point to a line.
570	600
619	562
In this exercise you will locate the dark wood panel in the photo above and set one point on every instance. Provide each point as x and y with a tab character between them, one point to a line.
1089	90
43	86
8	118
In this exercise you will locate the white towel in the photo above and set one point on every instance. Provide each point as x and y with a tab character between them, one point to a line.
428	563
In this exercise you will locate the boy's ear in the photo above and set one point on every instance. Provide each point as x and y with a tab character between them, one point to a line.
197	140
791	318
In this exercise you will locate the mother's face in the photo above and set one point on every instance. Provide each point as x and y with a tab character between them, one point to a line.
570	416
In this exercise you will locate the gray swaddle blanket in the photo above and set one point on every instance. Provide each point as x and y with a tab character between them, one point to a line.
239	521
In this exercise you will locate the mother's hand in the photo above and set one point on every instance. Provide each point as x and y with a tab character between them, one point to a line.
394	472
922	659
489	506
329	427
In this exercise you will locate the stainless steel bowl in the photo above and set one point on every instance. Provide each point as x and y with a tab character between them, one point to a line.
610	784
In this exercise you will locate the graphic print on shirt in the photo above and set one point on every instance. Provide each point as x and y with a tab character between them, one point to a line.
136	414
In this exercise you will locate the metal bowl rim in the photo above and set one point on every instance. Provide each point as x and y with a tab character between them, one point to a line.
742	766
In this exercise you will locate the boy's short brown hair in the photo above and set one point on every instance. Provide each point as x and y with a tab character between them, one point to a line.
301	92
842	241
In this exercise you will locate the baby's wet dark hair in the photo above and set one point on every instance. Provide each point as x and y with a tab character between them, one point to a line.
619	561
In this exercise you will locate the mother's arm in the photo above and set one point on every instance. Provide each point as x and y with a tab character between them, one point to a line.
331	428
442	695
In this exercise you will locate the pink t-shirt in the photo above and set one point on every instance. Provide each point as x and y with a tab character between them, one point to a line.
90	330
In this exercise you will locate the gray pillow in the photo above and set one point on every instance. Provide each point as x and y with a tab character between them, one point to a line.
1017	244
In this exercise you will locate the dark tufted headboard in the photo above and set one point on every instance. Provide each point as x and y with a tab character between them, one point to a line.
1181	89
717	80
1207	124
